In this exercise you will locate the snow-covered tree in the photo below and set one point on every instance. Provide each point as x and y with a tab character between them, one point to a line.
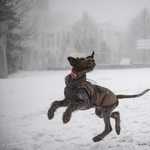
84	34
104	55
104	47
20	34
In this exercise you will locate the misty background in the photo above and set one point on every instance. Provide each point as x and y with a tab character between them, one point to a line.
37	36
41	34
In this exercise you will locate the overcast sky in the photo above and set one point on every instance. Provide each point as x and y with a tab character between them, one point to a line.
117	12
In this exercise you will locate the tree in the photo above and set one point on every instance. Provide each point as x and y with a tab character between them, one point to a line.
6	18
139	28
104	47
104	57
84	34
20	34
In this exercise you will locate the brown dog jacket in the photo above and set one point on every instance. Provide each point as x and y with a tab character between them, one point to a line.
98	95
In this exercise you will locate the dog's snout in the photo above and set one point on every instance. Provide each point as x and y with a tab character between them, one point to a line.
91	61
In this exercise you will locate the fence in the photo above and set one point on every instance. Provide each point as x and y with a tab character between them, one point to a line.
136	57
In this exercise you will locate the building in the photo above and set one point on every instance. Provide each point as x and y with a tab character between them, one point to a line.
112	43
51	34
113	36
50	48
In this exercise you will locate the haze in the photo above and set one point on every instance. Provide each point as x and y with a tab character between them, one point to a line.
117	12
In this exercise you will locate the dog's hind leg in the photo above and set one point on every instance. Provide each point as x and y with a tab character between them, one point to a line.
98	113
54	106
116	116
105	113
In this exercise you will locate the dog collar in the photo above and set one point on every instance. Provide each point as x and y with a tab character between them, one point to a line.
74	75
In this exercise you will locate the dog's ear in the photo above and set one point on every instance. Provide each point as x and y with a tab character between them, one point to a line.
91	56
72	61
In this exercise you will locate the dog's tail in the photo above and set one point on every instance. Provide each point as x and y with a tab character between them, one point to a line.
132	96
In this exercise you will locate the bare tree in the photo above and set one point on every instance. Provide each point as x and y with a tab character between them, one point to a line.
84	34
27	26
139	28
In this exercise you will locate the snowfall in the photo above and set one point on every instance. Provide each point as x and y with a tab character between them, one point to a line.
25	98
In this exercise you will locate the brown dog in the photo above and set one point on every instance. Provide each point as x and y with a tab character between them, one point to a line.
82	95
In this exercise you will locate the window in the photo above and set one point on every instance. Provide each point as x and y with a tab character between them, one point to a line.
63	34
44	21
52	43
50	23
58	39
50	35
48	43
50	40
43	39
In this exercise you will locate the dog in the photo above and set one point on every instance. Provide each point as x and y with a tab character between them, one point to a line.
82	95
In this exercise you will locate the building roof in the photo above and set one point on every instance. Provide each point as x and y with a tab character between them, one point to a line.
68	18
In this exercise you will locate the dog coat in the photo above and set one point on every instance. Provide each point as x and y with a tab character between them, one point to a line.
98	95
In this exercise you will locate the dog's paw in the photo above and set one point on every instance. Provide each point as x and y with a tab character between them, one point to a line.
97	138
52	109
66	117
118	128
50	114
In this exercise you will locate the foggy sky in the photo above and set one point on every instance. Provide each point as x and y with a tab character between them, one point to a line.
117	12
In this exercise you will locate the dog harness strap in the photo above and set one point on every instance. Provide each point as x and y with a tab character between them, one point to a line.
75	82
90	90
71	89
92	100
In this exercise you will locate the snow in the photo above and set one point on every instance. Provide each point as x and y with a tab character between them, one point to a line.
25	98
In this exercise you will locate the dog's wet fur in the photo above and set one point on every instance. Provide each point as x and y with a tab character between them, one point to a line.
81	66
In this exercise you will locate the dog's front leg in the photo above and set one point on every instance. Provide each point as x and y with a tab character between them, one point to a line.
67	114
82	104
55	105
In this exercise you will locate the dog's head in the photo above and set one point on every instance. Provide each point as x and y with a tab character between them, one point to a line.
82	65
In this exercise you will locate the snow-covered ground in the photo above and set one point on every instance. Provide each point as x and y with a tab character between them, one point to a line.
26	96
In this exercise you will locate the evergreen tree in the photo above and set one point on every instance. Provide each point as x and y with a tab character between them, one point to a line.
104	47
105	57
20	34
